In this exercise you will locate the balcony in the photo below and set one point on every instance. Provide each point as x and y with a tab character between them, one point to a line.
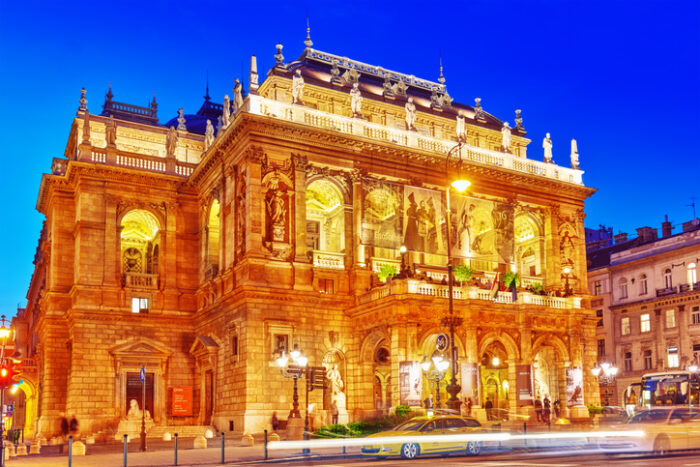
689	287
141	281
682	288
666	291
329	260
424	288
136	161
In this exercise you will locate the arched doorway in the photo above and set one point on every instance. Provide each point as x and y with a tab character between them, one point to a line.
325	218
139	249
547	377
493	368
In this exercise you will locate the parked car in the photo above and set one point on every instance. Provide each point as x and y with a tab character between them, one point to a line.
426	426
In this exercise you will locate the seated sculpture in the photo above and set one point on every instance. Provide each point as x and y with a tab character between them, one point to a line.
135	413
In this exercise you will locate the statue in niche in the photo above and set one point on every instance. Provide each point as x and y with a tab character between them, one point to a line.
547	145
111	132
338	399
461	129
574	154
237	95
505	140
277	213
410	114
226	115
171	141
567	247
208	135
297	88
479	113
356	100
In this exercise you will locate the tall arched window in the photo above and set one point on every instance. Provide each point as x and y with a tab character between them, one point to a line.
623	288
692	274
643	284
212	232
139	245
668	281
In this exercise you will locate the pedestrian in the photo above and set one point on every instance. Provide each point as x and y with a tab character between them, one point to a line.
275	422
547	406
65	428
468	405
538	409
73	426
428	402
557	409
334	413
489	408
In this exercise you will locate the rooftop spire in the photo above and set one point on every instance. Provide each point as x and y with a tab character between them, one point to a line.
206	96
308	42
441	79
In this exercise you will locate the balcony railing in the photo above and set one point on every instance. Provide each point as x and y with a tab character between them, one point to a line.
137	161
682	288
141	281
329	260
688	287
259	105
666	291
417	287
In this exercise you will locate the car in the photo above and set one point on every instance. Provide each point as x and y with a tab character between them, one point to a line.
665	429
426	426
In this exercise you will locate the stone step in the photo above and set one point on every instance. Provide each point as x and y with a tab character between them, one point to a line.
183	431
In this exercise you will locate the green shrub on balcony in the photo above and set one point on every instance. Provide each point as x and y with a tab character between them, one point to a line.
537	288
462	272
511	280
387	270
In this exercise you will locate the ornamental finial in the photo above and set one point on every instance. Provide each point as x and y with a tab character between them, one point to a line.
308	42
206	95
441	79
83	101
279	58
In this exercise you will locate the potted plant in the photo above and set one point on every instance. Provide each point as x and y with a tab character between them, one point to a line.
511	280
462	273
387	271
537	288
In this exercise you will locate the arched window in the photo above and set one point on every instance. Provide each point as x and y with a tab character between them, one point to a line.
643	284
692	274
139	248
212	239
623	288
668	281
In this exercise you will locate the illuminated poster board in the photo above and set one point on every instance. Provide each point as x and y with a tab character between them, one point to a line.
574	386
409	383
182	401
524	384
470	382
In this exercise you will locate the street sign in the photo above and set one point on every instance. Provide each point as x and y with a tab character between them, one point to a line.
442	342
316	377
143	374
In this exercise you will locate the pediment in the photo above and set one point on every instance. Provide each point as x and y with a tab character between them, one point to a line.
142	347
204	344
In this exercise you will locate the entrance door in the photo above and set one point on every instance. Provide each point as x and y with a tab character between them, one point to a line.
134	391
492	392
208	396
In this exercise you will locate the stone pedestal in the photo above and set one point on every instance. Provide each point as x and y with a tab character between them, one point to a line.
35	448
200	442
248	440
78	448
295	429
578	412
273	437
21	450
167	436
131	427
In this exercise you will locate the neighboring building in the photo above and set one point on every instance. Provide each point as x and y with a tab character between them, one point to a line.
646	295
598	238
201	260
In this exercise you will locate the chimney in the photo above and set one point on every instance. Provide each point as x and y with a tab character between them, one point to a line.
647	234
666	229
691	225
620	238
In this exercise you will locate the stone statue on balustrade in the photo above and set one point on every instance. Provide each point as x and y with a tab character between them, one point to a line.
519	120
237	95
226	115
410	114
171	141
297	88
208	135
505	137
574	154
479	113
111	132
181	121
461	129
547	145
356	100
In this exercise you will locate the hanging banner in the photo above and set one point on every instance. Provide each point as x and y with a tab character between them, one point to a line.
409	383
422	220
523	381
382	213
574	386
470	382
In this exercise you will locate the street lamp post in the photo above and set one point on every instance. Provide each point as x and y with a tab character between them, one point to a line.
567	289
437	373
606	374
294	368
5	333
451	321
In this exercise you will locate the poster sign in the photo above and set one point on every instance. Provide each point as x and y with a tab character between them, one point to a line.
409	383
523	383
470	382
574	386
182	401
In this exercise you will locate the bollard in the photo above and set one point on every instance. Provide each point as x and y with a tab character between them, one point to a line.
223	440
70	450
265	444
175	448
344	439
525	433
126	444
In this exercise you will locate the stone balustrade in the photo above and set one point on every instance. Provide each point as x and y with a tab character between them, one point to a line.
111	156
259	105
329	260
142	281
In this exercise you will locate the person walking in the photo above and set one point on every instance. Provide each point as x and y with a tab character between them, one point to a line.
275	422
468	406
65	429
557	409
538	409
489	409
547	409
73	426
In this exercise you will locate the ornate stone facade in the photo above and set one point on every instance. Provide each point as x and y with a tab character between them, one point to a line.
201	265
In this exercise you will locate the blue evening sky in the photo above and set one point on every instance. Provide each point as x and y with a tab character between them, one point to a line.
620	77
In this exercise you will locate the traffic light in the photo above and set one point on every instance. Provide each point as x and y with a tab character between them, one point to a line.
8	371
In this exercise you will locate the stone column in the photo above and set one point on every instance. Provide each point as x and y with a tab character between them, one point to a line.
659	334
685	350
357	247
552	269
299	227
255	206
112	233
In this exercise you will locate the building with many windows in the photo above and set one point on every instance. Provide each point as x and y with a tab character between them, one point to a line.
646	296
309	213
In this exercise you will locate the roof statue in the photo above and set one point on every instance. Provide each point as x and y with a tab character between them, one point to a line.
111	132
410	114
400	89
279	58
253	76
335	74
237	95
461	129
297	88
519	121
351	76
388	88
505	137
83	101
181	120
479	113
226	115
171	142
356	100
219	124
547	145
208	135
86	126
574	154
154	104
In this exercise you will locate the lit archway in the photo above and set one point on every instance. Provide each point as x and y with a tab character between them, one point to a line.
139	243
212	233
529	246
325	219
